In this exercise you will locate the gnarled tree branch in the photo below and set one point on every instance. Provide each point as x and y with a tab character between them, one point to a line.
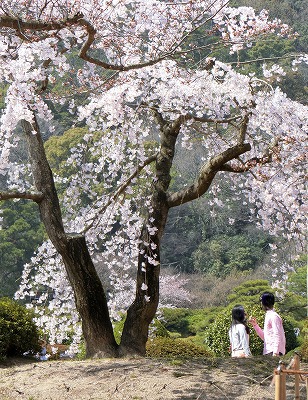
248	165
206	175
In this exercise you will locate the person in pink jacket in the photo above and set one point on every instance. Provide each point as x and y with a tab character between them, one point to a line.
273	334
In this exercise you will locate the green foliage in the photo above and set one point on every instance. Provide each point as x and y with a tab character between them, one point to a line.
158	329
217	334
291	339
18	333
297	281
118	328
222	254
82	354
194	240
21	233
58	147
273	47
176	320
168	347
251	289
188	322
294	303
304	346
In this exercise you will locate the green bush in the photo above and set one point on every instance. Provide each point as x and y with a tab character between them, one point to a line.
188	322
18	333
168	347
176	320
158	329
304	347
217	338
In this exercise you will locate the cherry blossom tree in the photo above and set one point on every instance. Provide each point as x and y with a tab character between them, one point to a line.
145	102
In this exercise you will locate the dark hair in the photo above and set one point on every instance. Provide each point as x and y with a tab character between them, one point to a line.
267	300
239	317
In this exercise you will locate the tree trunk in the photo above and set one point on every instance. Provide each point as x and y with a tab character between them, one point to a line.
91	302
142	311
90	299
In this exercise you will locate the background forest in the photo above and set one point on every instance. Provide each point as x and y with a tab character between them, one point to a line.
214	247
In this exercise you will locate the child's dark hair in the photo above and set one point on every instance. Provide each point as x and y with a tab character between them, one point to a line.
267	300
239	317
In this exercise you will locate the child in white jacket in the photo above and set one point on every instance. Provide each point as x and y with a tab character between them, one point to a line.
239	333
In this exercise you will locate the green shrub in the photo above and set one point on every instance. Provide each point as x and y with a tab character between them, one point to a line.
304	347
188	322
18	333
157	329
176	320
81	355
168	347
118	329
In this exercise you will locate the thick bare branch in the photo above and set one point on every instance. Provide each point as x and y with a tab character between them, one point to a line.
19	25
206	175
35	196
161	121
248	165
114	67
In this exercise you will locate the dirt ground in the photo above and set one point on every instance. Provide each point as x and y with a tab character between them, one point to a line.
142	379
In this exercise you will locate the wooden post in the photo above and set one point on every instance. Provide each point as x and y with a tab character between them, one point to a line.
280	382
277	383
297	377
283	388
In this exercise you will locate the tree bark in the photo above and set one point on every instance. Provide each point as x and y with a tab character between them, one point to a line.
91	302
142	311
90	299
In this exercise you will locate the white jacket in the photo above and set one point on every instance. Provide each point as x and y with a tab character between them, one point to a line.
239	339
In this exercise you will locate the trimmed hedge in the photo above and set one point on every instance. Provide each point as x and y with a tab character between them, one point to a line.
168	347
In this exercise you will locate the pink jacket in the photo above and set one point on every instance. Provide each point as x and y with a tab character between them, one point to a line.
273	333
